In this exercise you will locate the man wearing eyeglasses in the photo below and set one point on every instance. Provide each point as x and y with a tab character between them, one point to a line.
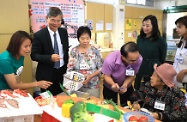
50	50
119	69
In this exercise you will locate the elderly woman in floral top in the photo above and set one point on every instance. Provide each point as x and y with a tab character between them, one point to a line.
161	97
86	59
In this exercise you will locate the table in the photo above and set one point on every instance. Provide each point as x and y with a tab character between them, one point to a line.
46	117
26	111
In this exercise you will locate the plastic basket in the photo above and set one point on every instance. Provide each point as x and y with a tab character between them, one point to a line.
137	114
73	81
28	118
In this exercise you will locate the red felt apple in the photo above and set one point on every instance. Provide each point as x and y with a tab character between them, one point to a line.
133	119
143	119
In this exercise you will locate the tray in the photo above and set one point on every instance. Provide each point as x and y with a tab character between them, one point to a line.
138	114
78	93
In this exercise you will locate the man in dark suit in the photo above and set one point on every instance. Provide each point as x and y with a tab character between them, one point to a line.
50	50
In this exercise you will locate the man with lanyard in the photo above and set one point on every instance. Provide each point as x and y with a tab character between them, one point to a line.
119	69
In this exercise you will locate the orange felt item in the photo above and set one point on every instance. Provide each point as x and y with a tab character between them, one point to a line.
60	99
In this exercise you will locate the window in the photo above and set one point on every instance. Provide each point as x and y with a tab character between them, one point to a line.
142	2
131	1
139	2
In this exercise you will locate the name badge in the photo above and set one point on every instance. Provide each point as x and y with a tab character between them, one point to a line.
159	105
19	71
129	72
179	59
83	66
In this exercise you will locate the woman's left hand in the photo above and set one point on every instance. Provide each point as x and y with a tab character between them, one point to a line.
88	78
136	106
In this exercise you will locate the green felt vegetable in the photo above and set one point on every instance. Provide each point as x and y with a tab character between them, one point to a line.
115	106
69	101
78	113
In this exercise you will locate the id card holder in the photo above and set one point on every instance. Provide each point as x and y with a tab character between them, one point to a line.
129	72
159	105
84	65
179	59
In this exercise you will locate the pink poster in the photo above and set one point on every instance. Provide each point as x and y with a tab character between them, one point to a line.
73	14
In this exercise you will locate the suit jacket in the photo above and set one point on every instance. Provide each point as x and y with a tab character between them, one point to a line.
42	50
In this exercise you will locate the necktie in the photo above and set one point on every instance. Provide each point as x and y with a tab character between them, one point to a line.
56	51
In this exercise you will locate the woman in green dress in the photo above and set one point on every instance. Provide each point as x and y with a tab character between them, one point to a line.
152	48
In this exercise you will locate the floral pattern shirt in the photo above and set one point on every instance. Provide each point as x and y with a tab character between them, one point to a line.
92	58
174	99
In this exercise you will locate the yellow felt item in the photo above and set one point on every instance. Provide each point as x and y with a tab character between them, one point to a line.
129	104
73	95
66	109
183	90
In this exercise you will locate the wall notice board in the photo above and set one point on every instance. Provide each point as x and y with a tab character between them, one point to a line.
73	13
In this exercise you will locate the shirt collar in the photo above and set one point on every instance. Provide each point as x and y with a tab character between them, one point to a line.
51	32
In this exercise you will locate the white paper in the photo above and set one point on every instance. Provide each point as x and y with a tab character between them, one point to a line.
108	26
129	34
99	26
27	106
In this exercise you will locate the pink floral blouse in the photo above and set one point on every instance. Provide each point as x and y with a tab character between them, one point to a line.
86	63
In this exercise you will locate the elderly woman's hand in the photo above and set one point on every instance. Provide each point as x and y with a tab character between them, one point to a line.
44	84
88	78
136	106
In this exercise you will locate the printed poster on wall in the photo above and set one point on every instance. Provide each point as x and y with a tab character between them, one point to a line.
108	26
90	24
128	24
73	14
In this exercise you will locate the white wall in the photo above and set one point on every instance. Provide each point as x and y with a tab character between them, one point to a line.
163	4
170	25
181	2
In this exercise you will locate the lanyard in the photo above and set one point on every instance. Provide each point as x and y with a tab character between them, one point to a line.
183	45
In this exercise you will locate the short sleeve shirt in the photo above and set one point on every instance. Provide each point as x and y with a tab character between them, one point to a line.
92	58
114	67
9	65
